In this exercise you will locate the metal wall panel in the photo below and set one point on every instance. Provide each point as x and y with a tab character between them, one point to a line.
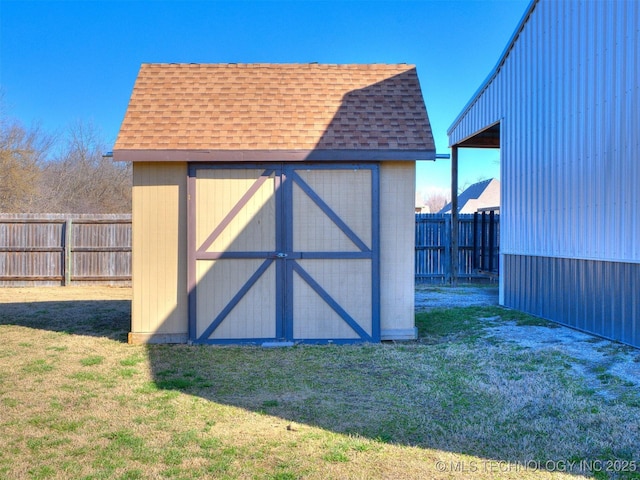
567	96
593	296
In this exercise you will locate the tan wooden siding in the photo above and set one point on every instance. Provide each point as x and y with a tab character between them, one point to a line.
348	193
218	282
159	252
160	255
218	192
397	224
348	283
251	229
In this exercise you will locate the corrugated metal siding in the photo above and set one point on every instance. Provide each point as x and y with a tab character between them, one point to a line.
567	96
594	296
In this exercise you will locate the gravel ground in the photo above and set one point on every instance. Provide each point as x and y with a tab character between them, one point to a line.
430	296
605	365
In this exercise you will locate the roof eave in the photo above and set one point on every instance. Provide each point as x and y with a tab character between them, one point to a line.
338	155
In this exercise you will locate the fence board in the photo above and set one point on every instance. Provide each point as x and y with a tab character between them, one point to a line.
433	248
54	249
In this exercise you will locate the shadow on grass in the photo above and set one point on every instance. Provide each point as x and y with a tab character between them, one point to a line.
95	318
507	407
443	392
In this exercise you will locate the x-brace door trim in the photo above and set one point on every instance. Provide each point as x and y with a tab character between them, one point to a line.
284	257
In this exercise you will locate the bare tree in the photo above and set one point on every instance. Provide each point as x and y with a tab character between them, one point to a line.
82	180
43	173
22	152
435	201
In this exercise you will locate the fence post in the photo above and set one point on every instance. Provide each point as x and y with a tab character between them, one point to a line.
68	261
491	234
475	242
446	223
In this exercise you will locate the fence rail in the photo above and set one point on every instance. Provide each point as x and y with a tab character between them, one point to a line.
59	249
433	248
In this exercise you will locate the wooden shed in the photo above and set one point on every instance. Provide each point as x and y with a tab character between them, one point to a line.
274	202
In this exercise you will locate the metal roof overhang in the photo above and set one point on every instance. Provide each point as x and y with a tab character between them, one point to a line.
347	155
487	138
478	140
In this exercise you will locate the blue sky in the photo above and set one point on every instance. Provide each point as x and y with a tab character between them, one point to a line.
63	61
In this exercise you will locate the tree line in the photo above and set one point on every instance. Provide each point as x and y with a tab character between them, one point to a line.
66	172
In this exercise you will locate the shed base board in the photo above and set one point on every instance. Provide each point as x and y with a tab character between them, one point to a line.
277	344
140	338
400	334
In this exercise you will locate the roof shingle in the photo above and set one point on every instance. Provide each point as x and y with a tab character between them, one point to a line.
276	107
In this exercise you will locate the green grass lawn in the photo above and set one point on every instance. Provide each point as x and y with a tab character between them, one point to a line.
78	402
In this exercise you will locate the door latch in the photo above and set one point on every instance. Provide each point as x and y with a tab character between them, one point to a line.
281	255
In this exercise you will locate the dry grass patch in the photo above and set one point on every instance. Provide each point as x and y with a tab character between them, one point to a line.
78	403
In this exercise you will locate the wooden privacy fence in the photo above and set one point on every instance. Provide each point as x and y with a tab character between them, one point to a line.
60	249
478	247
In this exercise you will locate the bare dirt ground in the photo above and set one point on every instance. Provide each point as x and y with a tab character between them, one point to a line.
604	364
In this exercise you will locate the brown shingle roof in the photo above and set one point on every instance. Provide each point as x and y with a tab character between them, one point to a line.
257	110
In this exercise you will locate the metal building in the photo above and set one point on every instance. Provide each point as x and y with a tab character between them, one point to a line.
271	203
563	106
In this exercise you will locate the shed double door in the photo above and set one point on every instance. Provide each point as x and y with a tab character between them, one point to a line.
282	252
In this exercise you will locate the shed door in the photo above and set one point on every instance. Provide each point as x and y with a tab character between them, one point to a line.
283	253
